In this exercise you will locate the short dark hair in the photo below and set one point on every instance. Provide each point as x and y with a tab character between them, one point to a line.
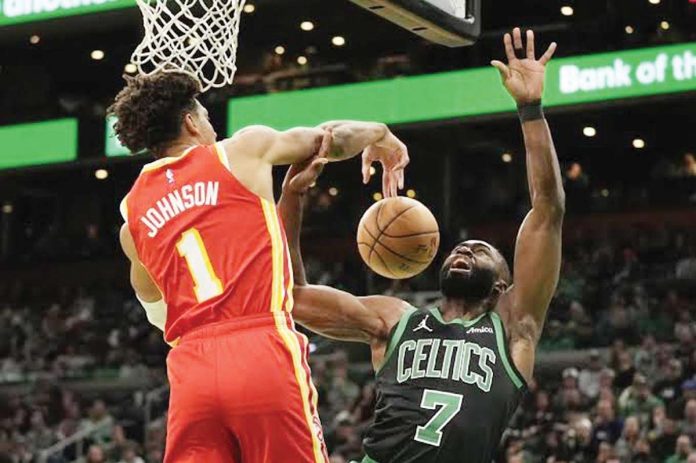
151	108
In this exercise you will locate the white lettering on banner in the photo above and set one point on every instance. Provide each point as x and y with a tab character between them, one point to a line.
573	78
684	66
657	70
15	8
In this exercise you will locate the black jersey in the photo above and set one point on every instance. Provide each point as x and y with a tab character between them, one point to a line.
445	392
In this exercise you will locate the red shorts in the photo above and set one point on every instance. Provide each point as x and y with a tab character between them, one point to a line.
241	392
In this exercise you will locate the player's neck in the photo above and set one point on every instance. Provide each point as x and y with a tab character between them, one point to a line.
461	309
179	147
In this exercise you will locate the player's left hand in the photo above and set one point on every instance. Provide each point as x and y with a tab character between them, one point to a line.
523	77
302	176
392	153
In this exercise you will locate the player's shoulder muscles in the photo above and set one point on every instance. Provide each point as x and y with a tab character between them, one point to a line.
253	141
273	146
388	311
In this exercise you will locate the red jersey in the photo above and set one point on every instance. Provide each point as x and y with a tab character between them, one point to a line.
214	249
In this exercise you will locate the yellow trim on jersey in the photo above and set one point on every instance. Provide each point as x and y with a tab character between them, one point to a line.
123	207
220	151
293	345
165	161
289	302
273	225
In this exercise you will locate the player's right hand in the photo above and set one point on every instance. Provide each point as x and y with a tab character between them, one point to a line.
392	153
302	176
523	77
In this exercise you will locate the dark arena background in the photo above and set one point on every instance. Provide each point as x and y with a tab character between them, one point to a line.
82	373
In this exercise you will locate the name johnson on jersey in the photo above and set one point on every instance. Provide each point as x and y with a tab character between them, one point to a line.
176	202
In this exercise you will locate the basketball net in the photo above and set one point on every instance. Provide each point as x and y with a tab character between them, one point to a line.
198	37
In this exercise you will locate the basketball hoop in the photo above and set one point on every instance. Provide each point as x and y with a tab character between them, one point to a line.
194	36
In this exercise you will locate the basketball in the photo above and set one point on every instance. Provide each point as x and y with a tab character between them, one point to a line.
398	237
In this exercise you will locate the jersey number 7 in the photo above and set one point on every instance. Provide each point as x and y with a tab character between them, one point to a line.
206	284
431	433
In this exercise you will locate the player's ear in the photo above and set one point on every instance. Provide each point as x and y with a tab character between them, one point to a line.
499	287
189	125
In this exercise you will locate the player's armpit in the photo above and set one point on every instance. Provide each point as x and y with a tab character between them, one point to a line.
339	315
140	279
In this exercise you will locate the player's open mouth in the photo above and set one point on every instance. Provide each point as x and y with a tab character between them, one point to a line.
461	264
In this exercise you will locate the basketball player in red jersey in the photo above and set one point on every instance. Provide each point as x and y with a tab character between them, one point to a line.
209	263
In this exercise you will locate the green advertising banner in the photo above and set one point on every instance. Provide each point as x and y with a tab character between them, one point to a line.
38	143
112	146
23	11
458	94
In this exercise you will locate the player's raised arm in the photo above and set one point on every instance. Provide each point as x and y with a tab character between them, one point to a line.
350	138
538	248
328	311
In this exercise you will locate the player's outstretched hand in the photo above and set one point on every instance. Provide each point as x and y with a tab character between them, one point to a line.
523	77
393	155
301	176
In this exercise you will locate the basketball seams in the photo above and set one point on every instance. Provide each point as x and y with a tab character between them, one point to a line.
402	256
386	227
411	235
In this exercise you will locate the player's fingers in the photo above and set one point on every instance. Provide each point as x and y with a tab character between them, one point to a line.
318	165
546	57
401	179
366	164
325	144
509	51
530	44
404	159
517	38
502	68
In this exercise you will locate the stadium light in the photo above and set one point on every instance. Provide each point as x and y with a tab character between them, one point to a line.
629	29
249	8
664	25
34	39
7	208
338	41
333	191
377	196
589	131
307	25
638	143
506	157
567	10
130	68
605	192
279	50
654	2
301	60
373	171
101	174
97	55
411	193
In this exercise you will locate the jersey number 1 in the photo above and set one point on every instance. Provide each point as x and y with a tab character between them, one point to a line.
431	433
206	284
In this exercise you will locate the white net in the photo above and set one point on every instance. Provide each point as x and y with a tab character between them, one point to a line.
194	36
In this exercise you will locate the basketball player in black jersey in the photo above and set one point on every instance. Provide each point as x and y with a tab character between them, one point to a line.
449	378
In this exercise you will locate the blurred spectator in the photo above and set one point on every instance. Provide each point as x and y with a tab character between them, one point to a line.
607	427
681	451
627	444
638	400
588	381
95	454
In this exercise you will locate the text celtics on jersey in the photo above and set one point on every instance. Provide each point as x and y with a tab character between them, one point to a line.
453	359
